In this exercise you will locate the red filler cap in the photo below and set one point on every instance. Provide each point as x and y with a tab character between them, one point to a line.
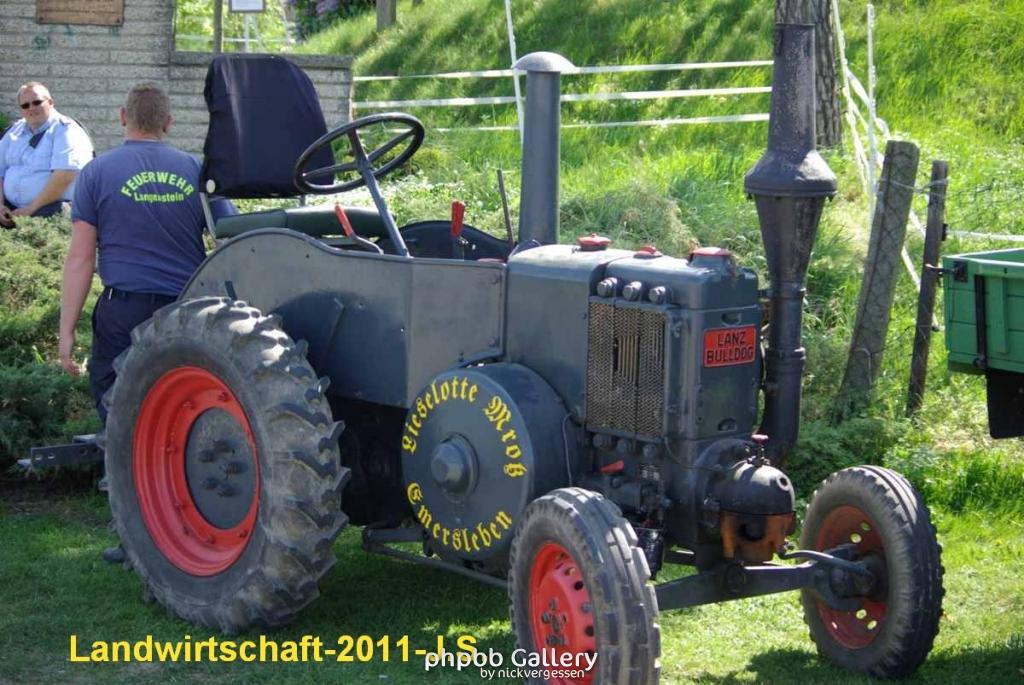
593	242
647	252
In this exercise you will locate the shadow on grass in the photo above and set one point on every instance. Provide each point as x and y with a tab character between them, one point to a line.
1004	665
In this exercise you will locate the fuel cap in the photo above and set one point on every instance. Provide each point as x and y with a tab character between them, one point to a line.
593	242
647	252
712	258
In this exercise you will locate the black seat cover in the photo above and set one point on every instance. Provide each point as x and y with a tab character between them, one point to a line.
264	112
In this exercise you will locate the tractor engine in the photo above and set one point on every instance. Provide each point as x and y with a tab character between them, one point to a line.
660	362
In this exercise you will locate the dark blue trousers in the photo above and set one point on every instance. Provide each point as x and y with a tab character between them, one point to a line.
45	210
115	315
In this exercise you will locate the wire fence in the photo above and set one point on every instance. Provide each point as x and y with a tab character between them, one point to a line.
969	211
866	127
633	95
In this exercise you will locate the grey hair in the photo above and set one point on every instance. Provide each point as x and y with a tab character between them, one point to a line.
147	108
37	85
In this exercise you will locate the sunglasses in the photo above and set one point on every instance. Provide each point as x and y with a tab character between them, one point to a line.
33	103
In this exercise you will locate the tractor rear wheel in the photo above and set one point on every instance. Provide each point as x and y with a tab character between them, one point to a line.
878	512
578	585
223	465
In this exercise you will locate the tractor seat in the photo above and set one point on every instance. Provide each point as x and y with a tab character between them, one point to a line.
317	221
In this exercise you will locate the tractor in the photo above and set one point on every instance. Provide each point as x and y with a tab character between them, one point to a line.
561	420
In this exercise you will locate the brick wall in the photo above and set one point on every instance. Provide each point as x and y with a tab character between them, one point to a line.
89	69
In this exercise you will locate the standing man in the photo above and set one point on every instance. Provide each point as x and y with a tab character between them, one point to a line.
40	155
138	204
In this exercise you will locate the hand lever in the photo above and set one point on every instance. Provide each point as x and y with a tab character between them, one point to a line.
458	242
350	233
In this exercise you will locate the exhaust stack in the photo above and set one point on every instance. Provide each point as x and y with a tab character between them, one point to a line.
538	202
789	185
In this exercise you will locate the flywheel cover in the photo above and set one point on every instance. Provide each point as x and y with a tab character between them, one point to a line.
478	445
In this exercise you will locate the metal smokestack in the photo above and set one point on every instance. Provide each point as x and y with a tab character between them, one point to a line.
538	202
789	185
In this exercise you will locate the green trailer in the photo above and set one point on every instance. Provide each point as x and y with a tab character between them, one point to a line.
984	317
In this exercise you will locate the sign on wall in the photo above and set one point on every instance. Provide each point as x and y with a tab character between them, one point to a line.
93	12
246	5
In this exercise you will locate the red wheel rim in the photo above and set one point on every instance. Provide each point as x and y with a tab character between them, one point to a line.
561	614
179	530
859	628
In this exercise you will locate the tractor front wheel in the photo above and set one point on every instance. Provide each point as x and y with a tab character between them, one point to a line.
223	466
578	585
876	514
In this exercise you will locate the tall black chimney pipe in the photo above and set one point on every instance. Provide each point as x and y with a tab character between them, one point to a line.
538	200
789	185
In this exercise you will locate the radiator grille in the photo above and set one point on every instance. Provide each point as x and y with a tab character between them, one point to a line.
626	369
651	377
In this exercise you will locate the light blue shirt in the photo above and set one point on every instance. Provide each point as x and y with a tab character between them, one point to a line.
26	170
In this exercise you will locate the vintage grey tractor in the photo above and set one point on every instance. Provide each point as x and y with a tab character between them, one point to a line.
559	419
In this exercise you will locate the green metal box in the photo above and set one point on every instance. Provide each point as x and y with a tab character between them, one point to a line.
985	286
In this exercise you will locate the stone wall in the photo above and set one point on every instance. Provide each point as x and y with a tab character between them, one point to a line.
89	69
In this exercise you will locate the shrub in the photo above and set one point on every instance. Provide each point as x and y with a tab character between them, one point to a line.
312	16
193	26
824	449
40	405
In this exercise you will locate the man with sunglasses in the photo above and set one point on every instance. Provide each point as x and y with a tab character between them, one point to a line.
40	155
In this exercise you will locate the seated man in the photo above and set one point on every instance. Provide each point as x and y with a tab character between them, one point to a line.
40	155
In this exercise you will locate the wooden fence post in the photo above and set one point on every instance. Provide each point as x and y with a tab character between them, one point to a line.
881	269
218	26
926	299
386	13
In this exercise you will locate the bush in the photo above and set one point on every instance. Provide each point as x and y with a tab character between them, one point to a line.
312	16
40	405
193	26
824	449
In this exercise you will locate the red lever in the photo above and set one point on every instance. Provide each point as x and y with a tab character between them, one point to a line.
346	225
614	467
458	212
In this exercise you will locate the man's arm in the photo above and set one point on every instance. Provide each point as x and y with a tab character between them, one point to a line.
5	214
5	142
78	270
54	189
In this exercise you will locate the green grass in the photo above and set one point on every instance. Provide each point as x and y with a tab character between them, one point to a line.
53	585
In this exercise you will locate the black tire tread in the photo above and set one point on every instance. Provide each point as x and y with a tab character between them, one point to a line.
907	637
302	473
617	578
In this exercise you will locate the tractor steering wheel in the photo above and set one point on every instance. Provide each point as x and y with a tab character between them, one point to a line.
362	161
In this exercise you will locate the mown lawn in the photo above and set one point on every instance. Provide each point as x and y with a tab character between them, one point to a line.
53	584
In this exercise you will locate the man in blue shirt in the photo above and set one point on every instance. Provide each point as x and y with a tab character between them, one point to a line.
40	156
138	204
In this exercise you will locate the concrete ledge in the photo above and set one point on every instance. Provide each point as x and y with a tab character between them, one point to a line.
179	57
